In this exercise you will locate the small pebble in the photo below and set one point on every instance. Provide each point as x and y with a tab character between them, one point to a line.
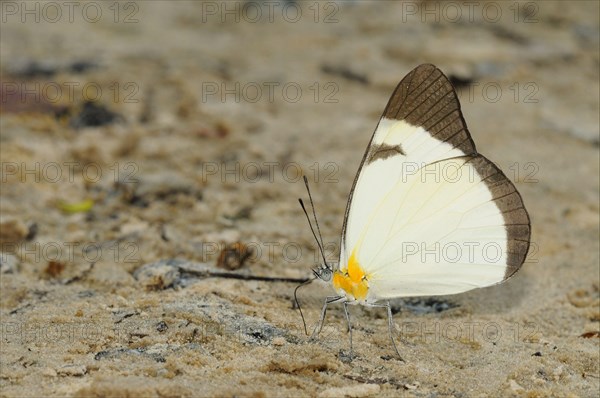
359	390
162	184
12	230
515	386
557	373
49	372
72	370
233	256
161	326
8	263
411	386
94	115
157	276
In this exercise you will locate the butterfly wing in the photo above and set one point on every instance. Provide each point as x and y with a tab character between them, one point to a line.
428	215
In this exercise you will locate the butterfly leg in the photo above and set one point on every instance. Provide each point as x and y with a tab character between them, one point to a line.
390	325
349	324
319	326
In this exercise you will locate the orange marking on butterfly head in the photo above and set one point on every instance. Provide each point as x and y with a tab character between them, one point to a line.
352	281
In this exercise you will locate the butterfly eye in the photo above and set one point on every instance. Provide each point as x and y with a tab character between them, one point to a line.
323	273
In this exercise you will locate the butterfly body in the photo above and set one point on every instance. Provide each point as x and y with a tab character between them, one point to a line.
352	282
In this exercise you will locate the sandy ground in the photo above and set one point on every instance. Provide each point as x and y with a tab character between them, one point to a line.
202	121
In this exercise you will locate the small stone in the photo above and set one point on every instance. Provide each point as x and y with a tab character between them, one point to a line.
134	227
161	327
538	381
12	230
94	115
9	263
557	373
157	276
412	386
515	386
72	370
162	185
233	256
279	341
162	372
49	372
360	390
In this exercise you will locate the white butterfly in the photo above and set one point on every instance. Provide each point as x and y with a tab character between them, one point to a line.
427	215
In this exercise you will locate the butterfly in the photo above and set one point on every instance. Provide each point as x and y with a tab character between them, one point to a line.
427	214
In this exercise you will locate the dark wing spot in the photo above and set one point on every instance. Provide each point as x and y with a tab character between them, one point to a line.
384	151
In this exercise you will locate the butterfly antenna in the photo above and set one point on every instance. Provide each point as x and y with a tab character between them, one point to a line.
312	205
298	303
313	232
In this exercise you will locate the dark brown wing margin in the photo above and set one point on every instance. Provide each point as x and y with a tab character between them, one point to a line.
426	98
510	203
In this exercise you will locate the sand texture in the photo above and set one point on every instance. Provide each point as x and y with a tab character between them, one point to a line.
144	144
